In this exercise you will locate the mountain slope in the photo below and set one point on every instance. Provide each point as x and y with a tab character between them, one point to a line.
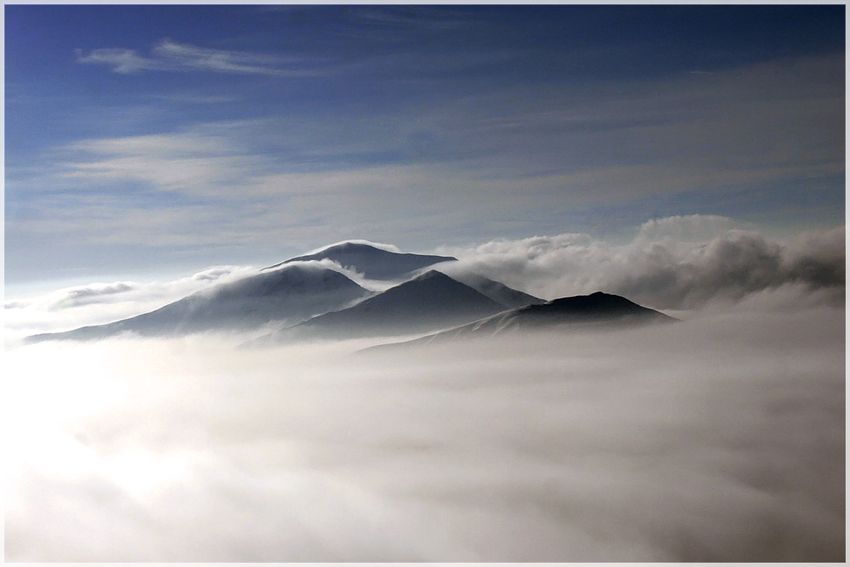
372	262
583	311
497	291
289	294
430	301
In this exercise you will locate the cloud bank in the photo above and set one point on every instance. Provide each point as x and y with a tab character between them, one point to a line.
717	439
683	262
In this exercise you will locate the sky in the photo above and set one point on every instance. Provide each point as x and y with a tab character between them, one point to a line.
144	140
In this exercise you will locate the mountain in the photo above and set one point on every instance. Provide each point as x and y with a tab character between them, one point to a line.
372	262
289	294
430	301
582	311
498	292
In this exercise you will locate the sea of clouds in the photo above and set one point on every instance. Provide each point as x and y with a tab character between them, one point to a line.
720	438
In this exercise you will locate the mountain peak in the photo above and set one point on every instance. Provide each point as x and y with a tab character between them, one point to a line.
597	303
427	302
431	275
374	261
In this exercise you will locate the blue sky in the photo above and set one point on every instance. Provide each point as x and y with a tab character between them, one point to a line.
143	139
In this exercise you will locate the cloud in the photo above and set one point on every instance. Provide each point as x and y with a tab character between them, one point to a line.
122	61
213	274
168	55
674	263
407	19
817	258
90	294
380	245
686	228
194	98
717	439
104	302
198	161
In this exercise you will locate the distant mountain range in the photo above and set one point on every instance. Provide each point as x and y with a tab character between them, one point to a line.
306	300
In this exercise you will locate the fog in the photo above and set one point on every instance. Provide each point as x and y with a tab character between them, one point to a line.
720	438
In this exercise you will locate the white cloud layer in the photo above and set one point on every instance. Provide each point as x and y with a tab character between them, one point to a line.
680	262
716	439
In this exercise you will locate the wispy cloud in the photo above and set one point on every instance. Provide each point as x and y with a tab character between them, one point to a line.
168	55
194	98
123	61
194	161
91	294
620	142
411	17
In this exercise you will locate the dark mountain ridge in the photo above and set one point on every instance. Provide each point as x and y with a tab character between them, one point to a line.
598	309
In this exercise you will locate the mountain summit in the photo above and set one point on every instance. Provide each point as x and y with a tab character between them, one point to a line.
371	261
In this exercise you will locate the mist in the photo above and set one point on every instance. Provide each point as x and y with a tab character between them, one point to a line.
719	438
